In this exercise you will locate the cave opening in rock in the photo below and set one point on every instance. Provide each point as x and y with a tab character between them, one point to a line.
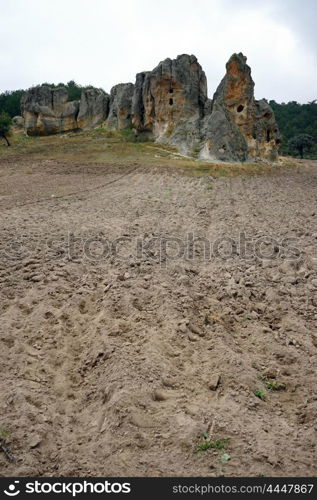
170	102
171	91
268	136
240	108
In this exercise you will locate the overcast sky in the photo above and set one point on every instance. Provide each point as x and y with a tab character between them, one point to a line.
103	42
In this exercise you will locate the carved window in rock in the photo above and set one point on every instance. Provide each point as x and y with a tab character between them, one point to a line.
268	136
170	102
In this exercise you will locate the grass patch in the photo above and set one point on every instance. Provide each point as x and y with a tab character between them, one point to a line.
196	149
219	444
275	386
3	434
101	145
260	394
271	384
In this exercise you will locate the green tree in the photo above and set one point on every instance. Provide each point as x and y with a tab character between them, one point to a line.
10	102
301	143
294	119
5	126
74	90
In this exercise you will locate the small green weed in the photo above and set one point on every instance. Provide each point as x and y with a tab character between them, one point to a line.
260	394
219	444
275	386
225	458
3	433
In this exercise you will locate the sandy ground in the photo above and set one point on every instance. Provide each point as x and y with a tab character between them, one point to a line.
118	359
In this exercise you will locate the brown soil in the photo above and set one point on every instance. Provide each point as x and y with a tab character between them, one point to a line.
110	365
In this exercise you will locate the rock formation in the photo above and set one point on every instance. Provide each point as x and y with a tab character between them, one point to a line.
93	108
169	100
238	127
170	103
120	106
47	111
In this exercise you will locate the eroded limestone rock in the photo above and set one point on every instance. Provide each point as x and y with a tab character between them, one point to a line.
170	103
120	110
170	100
47	111
238	127
93	108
